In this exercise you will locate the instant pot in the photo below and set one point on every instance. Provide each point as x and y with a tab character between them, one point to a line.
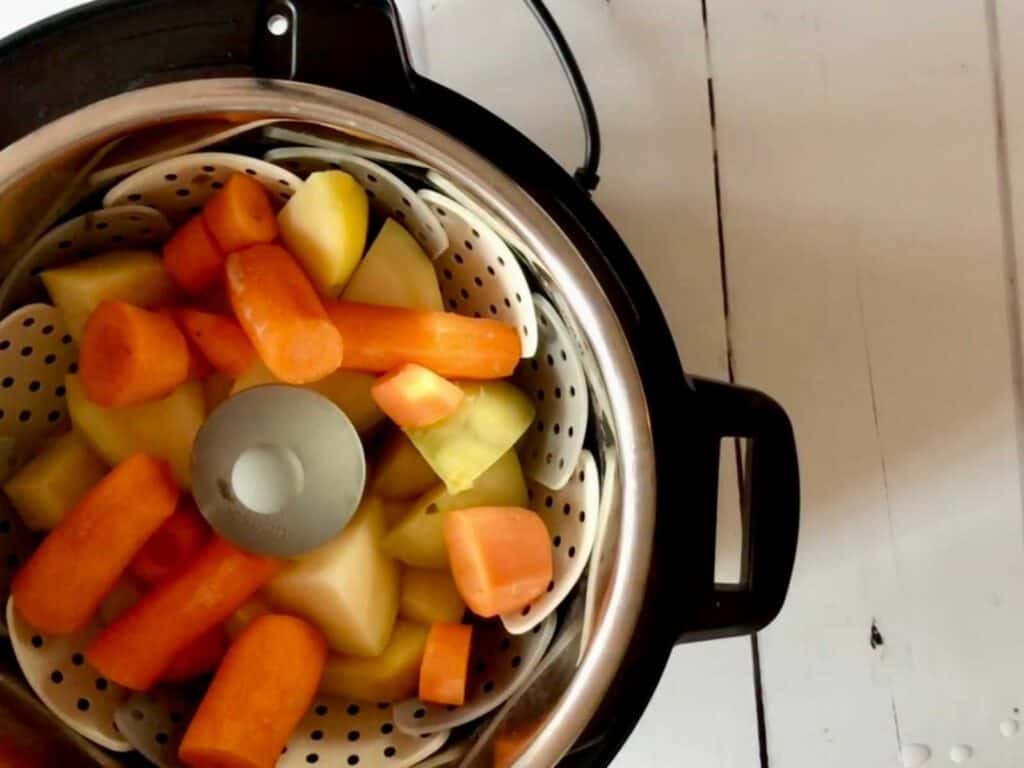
115	67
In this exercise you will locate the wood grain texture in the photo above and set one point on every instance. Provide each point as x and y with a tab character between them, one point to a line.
867	286
645	63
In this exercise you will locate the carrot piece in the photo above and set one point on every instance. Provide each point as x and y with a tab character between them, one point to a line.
174	544
198	366
142	642
500	556
77	565
445	665
193	258
197	658
379	338
414	396
261	691
221	340
239	215
282	314
131	355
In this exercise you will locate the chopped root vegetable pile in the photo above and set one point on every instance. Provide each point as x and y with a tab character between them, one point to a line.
443	537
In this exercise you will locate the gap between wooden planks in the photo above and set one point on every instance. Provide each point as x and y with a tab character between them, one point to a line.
865	249
645	63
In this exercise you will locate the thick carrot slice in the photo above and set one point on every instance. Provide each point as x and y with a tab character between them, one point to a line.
381	338
282	314
174	544
197	658
261	691
221	340
445	665
131	355
193	258
500	556
141	643
198	366
414	396
78	564
240	215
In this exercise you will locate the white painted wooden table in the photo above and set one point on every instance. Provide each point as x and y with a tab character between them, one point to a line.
863	234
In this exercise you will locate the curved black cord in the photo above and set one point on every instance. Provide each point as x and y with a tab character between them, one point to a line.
586	175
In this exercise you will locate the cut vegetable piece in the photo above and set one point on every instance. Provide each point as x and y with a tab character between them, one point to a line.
282	314
220	339
61	586
414	396
123	596
380	339
193	258
240	619
137	277
418	540
396	273
263	687
490	420
216	389
445	667
402	473
349	390
240	215
53	482
324	225
348	587
173	544
198	657
430	596
393	511
500	556
139	646
388	677
131	355
163	428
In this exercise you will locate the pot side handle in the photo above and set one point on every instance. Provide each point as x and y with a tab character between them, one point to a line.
770	508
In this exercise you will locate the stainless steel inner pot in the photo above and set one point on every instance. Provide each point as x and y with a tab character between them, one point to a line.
34	169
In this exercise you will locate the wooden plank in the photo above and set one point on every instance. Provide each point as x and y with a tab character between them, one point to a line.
658	189
867	289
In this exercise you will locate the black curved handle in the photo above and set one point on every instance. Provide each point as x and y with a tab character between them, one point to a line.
770	500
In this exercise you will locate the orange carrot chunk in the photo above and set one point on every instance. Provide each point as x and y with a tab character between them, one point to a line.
130	355
282	314
77	565
173	545
220	339
239	215
379	338
445	664
261	691
141	643
500	556
193	258
414	396
198	366
197	658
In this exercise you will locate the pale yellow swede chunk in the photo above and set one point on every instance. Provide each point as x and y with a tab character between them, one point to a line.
348	587
164	428
430	596
324	227
395	273
402	473
52	483
418	539
391	676
136	277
